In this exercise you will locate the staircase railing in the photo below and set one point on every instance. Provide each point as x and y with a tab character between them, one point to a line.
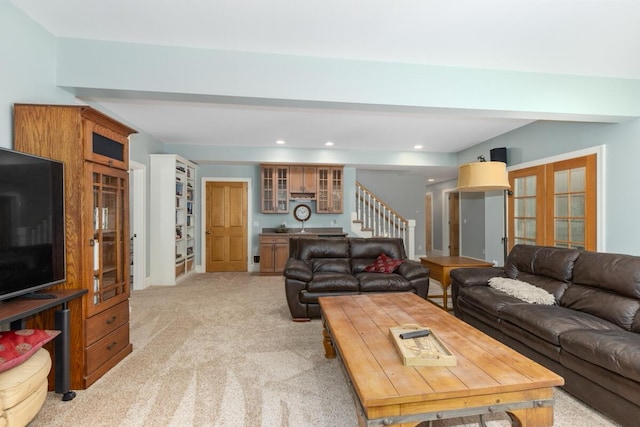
377	219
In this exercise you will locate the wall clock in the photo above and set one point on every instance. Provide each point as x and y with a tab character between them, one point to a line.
302	213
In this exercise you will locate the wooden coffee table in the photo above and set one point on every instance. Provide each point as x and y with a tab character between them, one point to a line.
489	376
441	266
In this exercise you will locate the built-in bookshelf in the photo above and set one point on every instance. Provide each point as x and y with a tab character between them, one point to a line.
172	218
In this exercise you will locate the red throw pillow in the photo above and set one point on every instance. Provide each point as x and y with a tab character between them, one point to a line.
384	264
18	346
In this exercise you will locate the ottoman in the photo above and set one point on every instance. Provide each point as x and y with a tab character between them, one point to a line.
23	390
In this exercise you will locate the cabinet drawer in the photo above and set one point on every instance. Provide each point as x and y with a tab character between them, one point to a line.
107	347
275	239
106	322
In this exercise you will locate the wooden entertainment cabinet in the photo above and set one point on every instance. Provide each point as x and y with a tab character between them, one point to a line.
95	151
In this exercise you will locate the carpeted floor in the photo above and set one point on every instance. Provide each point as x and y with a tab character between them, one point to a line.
219	349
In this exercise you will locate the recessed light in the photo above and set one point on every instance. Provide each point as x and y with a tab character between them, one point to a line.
280	142
430	180
328	144
417	147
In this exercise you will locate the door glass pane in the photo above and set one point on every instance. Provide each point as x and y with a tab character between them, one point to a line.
562	205
530	186
518	207
577	179
530	204
577	231
562	230
561	181
530	229
524	206
577	205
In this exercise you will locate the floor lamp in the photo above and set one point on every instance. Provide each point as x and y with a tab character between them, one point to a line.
484	176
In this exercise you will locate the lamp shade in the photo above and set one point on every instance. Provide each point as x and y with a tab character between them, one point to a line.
483	176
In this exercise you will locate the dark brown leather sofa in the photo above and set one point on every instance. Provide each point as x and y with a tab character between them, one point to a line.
591	336
336	266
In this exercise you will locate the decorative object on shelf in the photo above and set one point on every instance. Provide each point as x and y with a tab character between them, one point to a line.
302	213
484	176
282	228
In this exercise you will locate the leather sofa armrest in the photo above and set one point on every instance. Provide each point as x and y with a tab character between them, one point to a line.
475	276
412	270
298	269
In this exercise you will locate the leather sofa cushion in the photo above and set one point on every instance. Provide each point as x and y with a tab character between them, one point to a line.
617	273
606	379
308	249
312	297
330	265
616	351
550	321
332	282
555	263
364	251
613	307
382	282
553	286
488	299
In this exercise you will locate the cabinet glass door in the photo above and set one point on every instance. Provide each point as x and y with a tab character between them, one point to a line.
110	236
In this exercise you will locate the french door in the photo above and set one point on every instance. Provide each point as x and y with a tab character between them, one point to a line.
555	204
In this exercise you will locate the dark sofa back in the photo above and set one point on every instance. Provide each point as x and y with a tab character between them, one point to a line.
547	267
324	255
608	286
364	251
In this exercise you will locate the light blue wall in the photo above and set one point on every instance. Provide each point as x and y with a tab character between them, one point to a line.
27	67
405	193
87	65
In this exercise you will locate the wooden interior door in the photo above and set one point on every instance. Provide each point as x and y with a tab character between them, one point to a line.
428	223
226	226
454	224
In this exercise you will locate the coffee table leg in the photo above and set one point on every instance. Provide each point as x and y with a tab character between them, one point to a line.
329	351
542	416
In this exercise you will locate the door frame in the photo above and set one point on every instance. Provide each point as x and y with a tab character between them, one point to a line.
445	221
138	226
428	222
600	152
203	225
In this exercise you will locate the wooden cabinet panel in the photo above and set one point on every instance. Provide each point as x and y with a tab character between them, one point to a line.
329	197
106	322
274	252
105	348
274	188
281	183
302	181
95	151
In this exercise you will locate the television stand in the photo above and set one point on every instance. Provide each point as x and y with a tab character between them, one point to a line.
16	311
37	295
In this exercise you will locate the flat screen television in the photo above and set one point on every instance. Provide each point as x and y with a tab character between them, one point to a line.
32	243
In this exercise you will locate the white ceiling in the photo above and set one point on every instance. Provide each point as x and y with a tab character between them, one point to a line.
575	37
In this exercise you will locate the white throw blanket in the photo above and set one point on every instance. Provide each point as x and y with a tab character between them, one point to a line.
522	290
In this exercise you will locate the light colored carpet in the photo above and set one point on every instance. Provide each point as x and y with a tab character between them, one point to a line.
220	350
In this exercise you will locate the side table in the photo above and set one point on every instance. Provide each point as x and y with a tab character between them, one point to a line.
441	266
